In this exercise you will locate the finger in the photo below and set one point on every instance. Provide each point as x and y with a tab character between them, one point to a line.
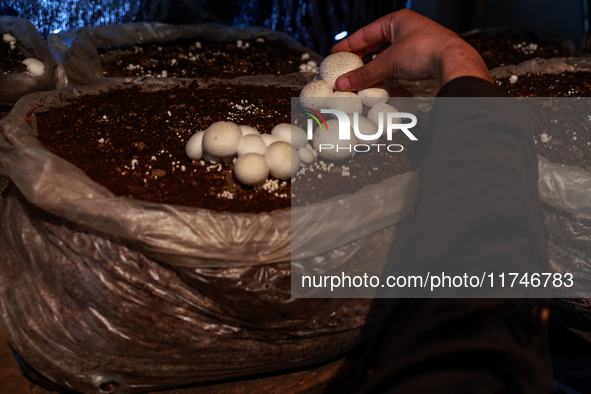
362	52
364	39
360	78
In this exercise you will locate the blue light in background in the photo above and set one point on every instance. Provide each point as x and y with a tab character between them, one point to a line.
341	35
51	16
311	22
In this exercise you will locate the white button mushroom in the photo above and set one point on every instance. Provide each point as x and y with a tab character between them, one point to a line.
221	139
269	139
374	95
380	111
251	143
337	64
365	127
194	147
290	134
327	144
283	160
246	130
306	155
348	102
316	95
34	67
251	169
9	38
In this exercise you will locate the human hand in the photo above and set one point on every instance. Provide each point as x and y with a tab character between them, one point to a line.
417	48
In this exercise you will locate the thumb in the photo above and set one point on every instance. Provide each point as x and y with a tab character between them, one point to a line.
363	77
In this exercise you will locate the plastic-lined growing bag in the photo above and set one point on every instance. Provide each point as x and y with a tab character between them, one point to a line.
104	291
83	63
566	194
31	45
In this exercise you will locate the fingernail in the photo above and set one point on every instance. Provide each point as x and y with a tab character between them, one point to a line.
344	84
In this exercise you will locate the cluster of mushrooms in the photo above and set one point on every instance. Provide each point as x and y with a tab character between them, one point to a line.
281	154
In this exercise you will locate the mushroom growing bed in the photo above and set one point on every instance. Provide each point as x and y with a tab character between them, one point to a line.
204	59
560	139
147	160
11	58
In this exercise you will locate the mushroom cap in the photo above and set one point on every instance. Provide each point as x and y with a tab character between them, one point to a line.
35	67
251	169
337	64
269	139
246	130
380	110
221	139
251	143
306	155
374	95
283	160
7	37
194	147
348	102
330	137
316	95
366	127
290	134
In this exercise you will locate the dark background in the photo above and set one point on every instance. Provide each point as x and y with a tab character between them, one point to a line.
313	22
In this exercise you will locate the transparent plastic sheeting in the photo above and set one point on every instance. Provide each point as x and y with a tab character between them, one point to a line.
31	45
176	235
565	193
79	50
569	190
87	311
101	291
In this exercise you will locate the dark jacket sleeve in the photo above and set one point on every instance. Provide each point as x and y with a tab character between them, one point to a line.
477	210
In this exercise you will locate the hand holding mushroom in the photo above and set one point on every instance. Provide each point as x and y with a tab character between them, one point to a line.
416	48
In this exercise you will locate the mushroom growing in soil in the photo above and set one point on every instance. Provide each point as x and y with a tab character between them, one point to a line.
374	95
35	68
251	143
291	134
221	139
283	160
251	169
194	147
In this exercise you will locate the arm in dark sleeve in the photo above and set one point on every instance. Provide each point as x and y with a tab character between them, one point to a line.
477	210
477	205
